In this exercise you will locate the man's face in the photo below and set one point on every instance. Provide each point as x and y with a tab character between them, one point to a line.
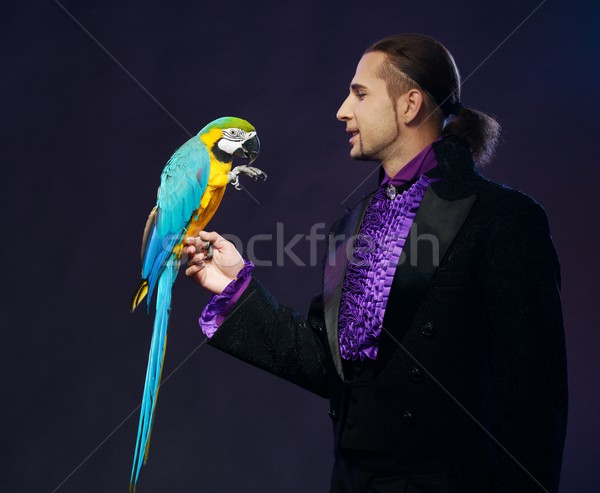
370	115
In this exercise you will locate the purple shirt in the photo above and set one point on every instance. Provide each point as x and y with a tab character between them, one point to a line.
376	253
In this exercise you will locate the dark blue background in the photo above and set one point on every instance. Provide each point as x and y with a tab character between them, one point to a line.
82	150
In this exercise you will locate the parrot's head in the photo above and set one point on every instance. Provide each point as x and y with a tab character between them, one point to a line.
230	136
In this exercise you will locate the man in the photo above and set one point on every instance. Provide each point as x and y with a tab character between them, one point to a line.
439	340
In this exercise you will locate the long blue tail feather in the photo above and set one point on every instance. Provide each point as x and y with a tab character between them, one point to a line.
155	366
158	251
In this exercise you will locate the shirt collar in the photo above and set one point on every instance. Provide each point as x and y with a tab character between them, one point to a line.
423	162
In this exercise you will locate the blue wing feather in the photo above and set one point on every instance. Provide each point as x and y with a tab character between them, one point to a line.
163	247
183	182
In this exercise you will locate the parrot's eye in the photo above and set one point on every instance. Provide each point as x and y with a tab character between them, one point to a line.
234	133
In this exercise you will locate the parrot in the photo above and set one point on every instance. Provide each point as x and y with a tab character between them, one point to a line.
192	185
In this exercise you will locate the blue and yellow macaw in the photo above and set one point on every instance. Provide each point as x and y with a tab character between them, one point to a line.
191	188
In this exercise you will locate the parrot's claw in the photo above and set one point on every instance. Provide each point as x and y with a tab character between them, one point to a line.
255	173
234	179
209	248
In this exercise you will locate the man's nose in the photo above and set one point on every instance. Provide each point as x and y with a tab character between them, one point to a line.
344	113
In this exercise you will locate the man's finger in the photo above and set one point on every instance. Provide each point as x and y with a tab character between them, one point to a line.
194	269
194	242
196	259
211	236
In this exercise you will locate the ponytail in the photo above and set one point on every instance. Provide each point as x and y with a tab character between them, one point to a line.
478	130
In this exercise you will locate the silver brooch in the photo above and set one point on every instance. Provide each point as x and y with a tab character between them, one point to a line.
391	192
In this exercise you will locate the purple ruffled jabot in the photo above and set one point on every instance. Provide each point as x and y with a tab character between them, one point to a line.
220	305
370	272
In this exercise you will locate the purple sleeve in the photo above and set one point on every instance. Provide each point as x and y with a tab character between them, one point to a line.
220	305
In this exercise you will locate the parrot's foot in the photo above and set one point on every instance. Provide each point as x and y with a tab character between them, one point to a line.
255	173
209	248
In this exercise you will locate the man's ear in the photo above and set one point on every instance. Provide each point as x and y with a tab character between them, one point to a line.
409	105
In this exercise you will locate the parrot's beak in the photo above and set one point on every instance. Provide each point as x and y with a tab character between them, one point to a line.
249	149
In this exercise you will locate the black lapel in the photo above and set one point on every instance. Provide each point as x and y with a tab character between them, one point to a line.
434	228
443	211
341	245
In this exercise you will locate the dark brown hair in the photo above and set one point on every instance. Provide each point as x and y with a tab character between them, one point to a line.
421	62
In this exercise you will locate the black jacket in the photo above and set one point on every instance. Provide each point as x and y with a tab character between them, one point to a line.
476	342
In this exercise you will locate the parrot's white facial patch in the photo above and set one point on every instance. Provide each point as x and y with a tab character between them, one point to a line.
233	138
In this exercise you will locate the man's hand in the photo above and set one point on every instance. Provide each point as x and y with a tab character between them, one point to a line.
213	273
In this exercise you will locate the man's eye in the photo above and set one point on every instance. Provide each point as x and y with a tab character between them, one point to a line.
361	95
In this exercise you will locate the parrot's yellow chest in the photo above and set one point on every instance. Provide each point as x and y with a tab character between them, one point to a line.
211	198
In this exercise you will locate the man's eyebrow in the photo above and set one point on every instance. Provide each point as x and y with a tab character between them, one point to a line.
356	87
